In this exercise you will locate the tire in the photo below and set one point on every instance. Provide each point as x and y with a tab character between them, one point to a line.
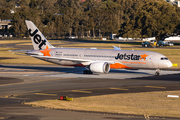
157	73
87	72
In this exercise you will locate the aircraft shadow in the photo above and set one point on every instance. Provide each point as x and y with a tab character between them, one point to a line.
126	71
43	68
170	77
74	70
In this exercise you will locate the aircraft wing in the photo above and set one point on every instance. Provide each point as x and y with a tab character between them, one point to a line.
83	61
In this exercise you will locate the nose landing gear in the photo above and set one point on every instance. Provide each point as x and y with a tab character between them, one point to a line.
158	72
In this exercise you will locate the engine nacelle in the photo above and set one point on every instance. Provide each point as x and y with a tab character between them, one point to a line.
99	67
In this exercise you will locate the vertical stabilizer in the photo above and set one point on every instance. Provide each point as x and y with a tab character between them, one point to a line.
37	38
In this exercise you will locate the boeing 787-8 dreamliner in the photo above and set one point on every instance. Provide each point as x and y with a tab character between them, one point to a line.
95	60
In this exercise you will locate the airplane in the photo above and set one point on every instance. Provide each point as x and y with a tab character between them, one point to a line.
94	60
150	38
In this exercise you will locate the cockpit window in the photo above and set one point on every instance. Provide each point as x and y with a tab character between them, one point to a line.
164	58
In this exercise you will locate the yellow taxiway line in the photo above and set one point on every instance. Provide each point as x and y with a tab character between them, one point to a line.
155	87
46	94
81	91
118	88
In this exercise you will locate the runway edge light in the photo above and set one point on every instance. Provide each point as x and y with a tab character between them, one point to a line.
66	98
173	96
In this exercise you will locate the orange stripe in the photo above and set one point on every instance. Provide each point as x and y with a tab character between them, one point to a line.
119	66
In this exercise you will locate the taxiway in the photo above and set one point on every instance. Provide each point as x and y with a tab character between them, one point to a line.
20	83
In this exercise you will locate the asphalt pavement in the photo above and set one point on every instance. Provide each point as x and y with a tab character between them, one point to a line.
20	83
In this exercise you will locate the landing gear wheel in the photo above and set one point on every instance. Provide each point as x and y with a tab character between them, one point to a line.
157	73
87	72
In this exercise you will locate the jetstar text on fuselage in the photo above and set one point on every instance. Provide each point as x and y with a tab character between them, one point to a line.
130	57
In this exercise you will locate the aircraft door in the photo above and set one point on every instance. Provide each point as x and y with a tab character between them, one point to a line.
150	58
150	61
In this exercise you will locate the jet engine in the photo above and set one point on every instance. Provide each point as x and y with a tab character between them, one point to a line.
99	67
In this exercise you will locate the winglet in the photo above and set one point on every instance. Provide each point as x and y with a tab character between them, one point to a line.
37	38
116	48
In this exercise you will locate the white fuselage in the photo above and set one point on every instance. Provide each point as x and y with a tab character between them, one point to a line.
122	58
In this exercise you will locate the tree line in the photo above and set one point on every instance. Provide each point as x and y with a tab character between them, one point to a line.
60	18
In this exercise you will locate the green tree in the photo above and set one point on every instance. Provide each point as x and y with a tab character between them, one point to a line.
154	18
5	14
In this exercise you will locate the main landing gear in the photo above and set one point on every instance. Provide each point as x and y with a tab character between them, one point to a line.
87	72
158	72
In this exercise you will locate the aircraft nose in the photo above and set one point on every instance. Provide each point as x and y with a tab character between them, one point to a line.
169	64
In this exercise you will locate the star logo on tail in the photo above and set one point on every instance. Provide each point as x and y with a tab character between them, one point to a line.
46	51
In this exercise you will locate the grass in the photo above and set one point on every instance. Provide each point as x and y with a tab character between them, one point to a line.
13	58
12	41
146	103
30	43
110	45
